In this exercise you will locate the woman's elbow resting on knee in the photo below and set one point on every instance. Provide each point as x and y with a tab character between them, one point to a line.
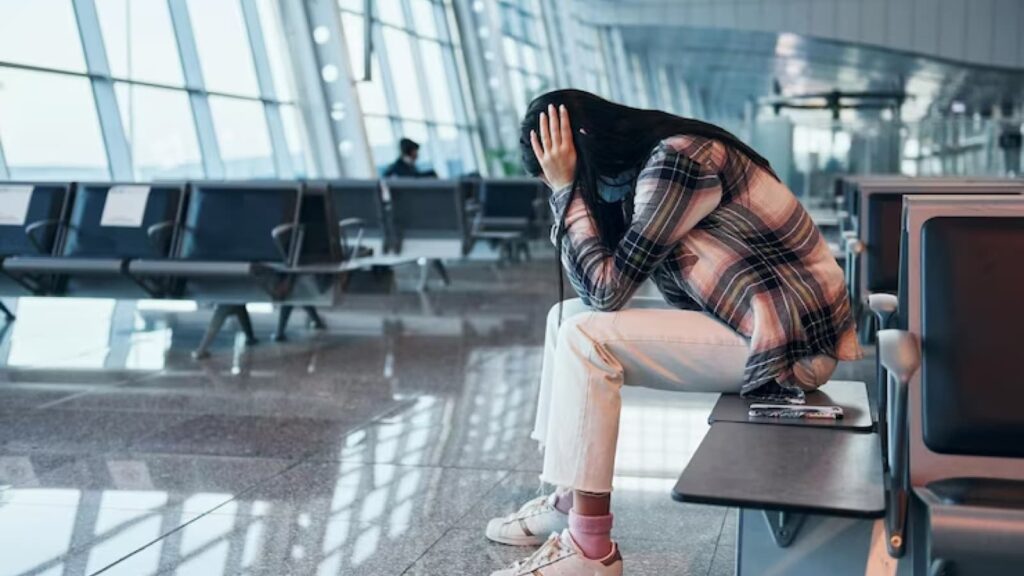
610	304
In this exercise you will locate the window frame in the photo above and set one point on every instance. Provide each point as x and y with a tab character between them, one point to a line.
447	39
120	164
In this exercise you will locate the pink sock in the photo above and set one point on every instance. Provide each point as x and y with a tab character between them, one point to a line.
593	534
563	501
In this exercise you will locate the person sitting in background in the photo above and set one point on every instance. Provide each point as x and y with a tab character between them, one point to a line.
405	165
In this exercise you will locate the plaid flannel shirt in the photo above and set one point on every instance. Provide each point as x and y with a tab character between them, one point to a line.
715	232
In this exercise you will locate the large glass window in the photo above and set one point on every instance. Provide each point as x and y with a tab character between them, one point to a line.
242	134
51	119
525	51
591	60
224	52
277	48
441	94
48	126
139	39
40	33
160	131
403	70
295	135
381	137
418	93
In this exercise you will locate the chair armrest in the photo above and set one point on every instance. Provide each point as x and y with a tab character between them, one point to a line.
883	303
278	233
351	223
900	353
884	306
349	253
474	212
35	227
159	229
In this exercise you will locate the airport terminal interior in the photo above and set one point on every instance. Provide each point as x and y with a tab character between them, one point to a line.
280	287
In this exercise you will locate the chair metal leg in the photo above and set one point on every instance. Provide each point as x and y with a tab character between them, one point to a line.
8	315
524	248
505	254
314	318
442	271
220	315
867	328
424	275
283	315
246	324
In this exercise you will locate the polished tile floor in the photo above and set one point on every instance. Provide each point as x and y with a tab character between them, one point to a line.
380	447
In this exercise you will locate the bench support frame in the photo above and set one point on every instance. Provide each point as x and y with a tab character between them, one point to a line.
784	526
829	545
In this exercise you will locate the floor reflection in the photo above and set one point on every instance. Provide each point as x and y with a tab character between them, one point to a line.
369	449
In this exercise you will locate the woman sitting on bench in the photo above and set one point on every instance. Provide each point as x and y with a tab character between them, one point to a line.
754	301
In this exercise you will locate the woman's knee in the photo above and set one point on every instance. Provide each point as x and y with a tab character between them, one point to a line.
565	309
812	373
572	326
586	336
561	312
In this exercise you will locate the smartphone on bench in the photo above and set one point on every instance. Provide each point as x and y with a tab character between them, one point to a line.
795	411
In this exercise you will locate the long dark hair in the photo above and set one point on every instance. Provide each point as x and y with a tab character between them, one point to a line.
612	139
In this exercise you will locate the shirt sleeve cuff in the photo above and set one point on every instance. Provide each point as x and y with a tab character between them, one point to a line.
559	200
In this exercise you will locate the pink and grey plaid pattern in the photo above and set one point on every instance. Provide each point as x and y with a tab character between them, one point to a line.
718	233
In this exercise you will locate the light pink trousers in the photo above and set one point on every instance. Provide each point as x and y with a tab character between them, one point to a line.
593	354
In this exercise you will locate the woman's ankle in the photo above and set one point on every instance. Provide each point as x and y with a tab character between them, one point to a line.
563	500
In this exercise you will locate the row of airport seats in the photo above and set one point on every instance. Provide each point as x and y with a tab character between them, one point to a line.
508	213
869	214
226	244
931	482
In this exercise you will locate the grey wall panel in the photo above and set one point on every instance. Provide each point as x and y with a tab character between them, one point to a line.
952	28
823	18
704	14
726	14
1006	16
873	16
900	25
926	26
973	31
799	17
980	27
848	20
1020	41
749	16
773	17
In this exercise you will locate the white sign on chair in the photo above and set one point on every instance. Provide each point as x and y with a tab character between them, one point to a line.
125	206
14	201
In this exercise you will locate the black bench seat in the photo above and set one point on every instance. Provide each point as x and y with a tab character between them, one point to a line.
786	468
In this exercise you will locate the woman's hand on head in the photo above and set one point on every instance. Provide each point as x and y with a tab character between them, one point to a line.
554	147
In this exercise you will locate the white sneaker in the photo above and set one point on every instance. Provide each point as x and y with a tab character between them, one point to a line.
528	526
560	556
